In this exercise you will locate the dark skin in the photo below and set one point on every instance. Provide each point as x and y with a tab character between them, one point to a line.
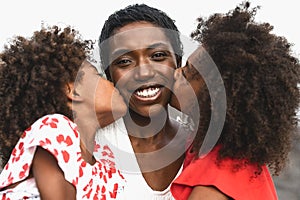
45	169
159	179
207	193
188	85
49	73
128	72
143	72
46	172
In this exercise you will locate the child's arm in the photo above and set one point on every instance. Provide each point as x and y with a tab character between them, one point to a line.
49	178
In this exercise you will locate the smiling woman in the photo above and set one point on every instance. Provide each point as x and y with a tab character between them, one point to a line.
147	67
140	47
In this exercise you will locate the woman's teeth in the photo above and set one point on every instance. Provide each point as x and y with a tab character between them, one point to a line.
147	92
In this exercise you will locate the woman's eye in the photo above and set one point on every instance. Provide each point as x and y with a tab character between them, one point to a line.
122	62
159	55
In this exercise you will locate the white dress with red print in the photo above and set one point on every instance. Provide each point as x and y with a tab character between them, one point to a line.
58	135
115	135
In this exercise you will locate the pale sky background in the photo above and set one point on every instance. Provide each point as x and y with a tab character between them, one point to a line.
22	17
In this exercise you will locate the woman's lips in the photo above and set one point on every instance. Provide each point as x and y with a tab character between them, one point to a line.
148	94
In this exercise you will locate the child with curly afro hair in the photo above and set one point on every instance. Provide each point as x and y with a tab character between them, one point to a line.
52	102
261	79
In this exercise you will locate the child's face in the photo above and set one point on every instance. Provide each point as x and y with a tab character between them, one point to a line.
188	85
99	95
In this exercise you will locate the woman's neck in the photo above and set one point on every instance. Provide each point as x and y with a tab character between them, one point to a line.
145	126
149	134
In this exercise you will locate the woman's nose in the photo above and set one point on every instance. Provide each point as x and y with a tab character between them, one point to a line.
143	72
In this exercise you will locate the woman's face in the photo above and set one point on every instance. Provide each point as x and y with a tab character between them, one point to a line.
99	95
142	64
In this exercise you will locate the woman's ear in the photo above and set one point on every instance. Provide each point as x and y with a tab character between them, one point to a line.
72	94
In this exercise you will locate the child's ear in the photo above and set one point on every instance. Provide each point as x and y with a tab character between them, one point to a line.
72	94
